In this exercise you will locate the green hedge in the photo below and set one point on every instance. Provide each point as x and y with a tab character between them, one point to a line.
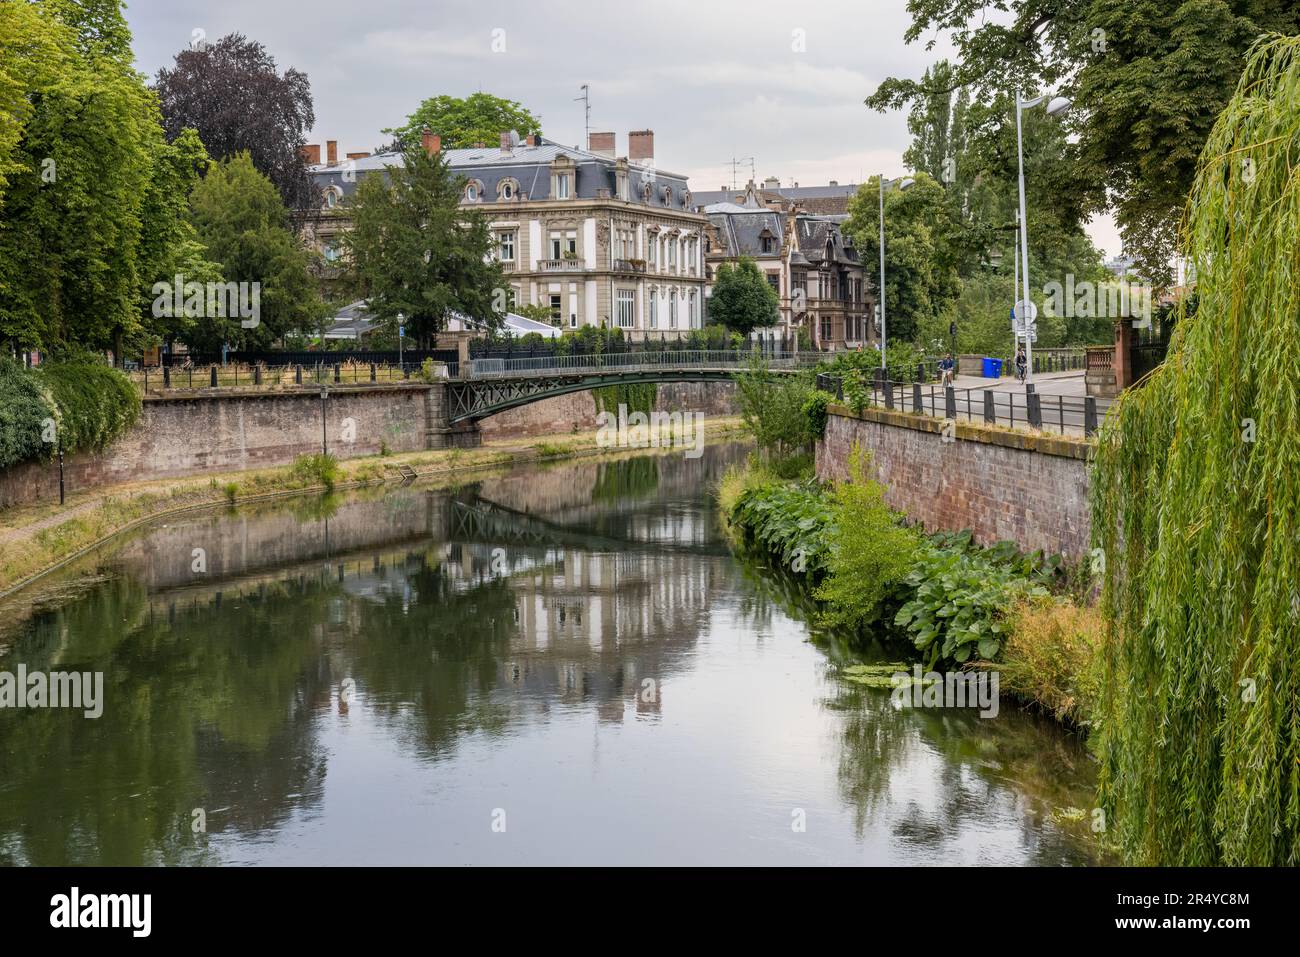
95	403
23	408
90	405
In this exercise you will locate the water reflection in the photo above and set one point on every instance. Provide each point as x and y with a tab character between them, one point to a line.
370	678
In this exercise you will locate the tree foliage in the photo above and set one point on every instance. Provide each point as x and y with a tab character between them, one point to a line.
232	93
478	118
1147	78
417	254
243	225
77	165
1196	512
743	299
23	409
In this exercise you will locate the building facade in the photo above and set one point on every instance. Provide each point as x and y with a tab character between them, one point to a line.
808	259
595	239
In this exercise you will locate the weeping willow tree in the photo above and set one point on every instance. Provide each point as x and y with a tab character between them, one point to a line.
1196	511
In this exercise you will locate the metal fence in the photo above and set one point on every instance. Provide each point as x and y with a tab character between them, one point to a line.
238	375
1067	415
635	362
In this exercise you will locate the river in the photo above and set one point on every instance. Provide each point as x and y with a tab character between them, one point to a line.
553	665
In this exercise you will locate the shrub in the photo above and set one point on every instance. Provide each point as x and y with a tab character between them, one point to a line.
23	409
95	403
1051	657
790	521
318	469
960	604
814	410
870	550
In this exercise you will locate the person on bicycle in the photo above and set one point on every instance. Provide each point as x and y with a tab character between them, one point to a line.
1021	363
946	368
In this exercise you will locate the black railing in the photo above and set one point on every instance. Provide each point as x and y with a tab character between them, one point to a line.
408	357
1068	415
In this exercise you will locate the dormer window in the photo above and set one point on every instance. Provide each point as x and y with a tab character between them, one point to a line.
333	196
562	186
668	195
507	189
473	191
645	192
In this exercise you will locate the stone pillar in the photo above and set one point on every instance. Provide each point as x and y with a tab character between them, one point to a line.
1125	340
439	433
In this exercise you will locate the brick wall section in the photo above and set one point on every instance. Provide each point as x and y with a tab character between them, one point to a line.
227	431
1031	489
190	435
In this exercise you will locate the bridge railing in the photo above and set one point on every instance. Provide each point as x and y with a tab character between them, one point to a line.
629	362
1028	409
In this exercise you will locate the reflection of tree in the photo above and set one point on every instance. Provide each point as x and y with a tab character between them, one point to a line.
991	769
631	478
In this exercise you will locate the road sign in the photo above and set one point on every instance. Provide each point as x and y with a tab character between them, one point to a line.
1031	336
1025	309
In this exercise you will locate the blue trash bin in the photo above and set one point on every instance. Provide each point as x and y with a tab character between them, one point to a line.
992	368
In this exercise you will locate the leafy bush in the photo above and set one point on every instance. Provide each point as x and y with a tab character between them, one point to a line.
23	409
95	403
814	410
870	551
791	521
960	604
317	469
1051	657
772	406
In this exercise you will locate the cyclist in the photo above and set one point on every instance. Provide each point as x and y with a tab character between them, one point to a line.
946	368
1021	363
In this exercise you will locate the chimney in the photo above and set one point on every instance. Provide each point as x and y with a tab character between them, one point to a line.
311	153
332	152
602	144
771	183
509	140
833	183
431	142
641	146
534	139
357	156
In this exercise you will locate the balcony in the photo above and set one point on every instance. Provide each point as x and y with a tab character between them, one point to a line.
561	265
507	265
636	266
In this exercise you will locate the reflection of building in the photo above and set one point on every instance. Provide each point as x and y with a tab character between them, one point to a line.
593	238
807	258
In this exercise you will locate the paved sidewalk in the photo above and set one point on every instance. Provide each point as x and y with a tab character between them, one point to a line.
1045	383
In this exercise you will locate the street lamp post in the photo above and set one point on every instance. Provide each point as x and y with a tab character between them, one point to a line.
903	182
324	431
1057	105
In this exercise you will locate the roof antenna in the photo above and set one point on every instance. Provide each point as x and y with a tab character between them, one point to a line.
586	102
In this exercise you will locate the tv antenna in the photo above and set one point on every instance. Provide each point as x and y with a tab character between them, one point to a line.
586	103
735	163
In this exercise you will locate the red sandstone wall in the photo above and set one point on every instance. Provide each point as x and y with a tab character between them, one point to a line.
1029	496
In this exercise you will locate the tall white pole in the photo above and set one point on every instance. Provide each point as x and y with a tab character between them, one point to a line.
881	297
1024	240
1015	291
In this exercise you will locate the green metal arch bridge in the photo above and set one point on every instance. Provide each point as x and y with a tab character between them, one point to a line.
486	387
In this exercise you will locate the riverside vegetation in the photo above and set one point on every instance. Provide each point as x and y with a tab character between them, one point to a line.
948	602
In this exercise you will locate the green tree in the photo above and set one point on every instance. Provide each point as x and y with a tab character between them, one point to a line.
478	118
240	219
417	254
77	175
1196	511
743	299
1147	77
920	274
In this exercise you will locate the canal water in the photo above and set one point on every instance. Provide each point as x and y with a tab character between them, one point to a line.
560	665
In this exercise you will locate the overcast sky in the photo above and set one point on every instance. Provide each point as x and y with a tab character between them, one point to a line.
780	82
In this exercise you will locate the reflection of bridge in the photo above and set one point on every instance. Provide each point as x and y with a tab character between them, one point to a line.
488	386
483	521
